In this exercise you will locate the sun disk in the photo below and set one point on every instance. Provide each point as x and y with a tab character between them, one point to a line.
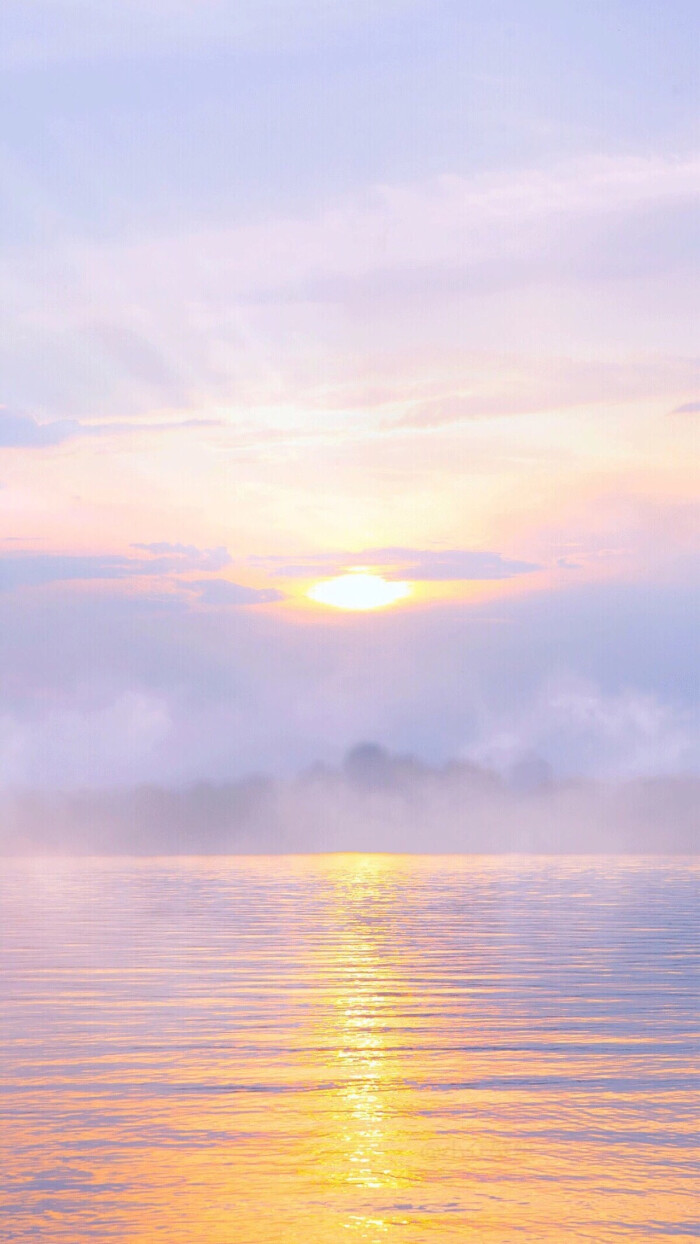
358	592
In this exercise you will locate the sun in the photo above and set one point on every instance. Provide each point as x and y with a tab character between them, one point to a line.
358	591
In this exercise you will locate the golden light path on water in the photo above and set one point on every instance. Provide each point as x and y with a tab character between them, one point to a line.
368	1048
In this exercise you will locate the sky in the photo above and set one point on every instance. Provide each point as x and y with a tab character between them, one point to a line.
297	289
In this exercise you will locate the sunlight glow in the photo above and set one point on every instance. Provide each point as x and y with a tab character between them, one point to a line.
358	590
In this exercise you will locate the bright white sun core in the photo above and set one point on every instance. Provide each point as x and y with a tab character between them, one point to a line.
358	590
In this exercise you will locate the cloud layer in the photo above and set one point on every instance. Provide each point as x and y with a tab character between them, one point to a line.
116	689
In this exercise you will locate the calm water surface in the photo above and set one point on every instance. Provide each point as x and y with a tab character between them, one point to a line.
361	1048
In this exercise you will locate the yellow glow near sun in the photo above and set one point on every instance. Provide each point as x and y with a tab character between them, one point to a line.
358	590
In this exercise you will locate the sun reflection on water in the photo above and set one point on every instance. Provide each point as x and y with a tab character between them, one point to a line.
356	1047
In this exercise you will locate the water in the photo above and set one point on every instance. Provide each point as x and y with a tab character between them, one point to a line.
361	1048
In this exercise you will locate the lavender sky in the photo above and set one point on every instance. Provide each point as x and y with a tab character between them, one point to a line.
292	286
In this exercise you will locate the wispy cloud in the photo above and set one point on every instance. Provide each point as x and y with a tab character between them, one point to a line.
511	386
420	565
687	408
159	560
21	431
30	569
223	592
202	317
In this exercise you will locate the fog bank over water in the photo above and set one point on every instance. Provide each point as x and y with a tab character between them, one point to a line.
374	802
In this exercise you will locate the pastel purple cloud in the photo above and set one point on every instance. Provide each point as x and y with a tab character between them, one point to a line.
424	565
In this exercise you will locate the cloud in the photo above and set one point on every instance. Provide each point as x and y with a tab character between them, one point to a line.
374	802
423	565
30	569
224	592
442	230
688	408
652	535
253	314
168	556
632	242
20	431
596	680
512	386
616	734
454	564
121	735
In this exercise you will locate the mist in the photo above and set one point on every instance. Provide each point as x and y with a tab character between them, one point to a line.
374	802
